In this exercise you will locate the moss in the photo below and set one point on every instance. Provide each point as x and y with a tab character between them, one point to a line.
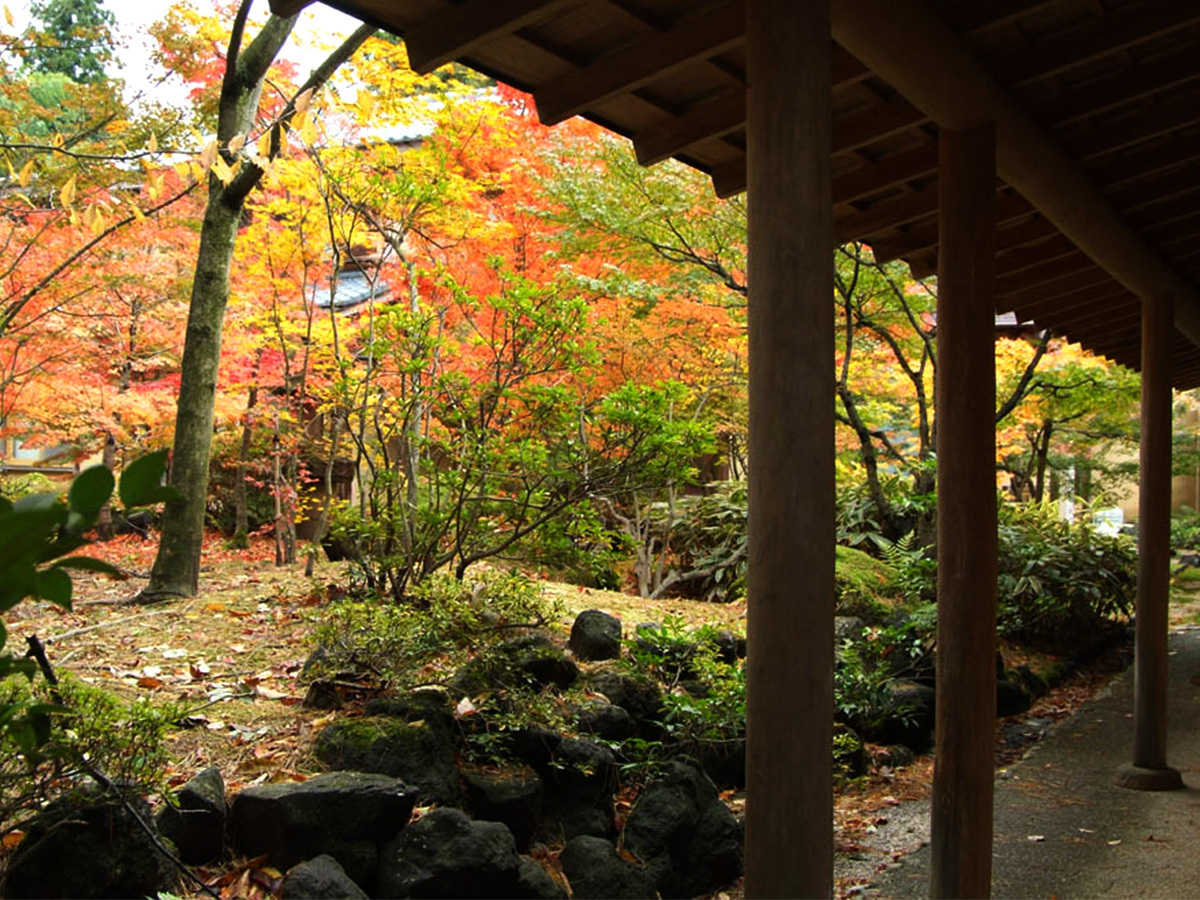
866	586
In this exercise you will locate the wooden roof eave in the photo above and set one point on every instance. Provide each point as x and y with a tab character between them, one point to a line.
916	53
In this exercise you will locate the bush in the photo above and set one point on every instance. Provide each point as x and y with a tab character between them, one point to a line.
405	645
1185	529
95	733
1061	582
867	667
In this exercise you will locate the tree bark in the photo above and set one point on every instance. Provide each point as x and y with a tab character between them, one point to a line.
176	571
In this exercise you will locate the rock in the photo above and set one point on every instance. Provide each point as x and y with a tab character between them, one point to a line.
684	834
93	849
847	628
597	871
323	694
535	882
722	761
432	705
534	746
345	814
910	720
197	825
320	878
580	781
896	756
513	798
636	694
1030	680
530	660
445	854
418	752
849	752
595	635
1011	699
605	720
730	647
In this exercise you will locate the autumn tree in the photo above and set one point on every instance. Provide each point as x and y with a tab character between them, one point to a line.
238	158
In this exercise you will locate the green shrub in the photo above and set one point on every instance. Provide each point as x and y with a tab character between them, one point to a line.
1060	581
405	645
16	486
1185	529
94	732
868	666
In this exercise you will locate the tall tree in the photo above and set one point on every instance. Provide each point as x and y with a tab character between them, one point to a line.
75	39
237	162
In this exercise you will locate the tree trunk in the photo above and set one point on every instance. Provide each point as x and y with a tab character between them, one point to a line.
176	571
104	522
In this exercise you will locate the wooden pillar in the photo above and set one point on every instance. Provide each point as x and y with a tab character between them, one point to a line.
966	454
789	699
1149	770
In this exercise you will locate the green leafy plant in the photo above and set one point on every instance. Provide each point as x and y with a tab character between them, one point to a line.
421	641
39	535
1185	529
1061	582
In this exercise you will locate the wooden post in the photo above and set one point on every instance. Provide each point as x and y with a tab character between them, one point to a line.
1149	770
966	453
789	701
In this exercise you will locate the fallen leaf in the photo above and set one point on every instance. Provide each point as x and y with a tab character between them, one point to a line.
147	681
1036	838
11	839
174	653
1114	843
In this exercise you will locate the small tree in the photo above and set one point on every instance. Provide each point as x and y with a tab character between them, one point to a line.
510	434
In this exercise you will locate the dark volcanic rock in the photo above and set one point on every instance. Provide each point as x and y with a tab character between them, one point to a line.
94	849
445	854
419	752
597	871
345	814
580	781
686	837
320	878
534	882
595	635
605	720
197	825
513	798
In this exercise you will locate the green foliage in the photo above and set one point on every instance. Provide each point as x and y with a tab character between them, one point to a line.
577	548
406	645
1185	529
868	666
915	571
859	523
39	534
95	732
711	706
1060	581
710	545
75	39
866	587
14	487
465	462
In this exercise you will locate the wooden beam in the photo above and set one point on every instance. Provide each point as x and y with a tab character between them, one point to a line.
1149	770
1106	37
1147	160
1029	255
1057	287
885	174
1133	129
957	91
1042	273
961	852
461	29
850	132
790	578
886	214
1116	90
1009	206
287	8
716	118
697	37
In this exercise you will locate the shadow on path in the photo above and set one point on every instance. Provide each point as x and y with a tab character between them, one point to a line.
1063	829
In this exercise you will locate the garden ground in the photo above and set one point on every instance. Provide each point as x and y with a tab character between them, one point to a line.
232	658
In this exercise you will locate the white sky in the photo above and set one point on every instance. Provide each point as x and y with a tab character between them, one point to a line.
134	17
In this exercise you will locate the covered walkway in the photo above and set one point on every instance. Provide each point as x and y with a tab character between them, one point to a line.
1041	156
1061	831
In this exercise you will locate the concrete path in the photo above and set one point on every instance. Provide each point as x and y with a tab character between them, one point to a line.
1064	830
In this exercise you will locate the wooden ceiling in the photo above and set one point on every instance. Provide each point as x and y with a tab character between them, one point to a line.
1097	104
